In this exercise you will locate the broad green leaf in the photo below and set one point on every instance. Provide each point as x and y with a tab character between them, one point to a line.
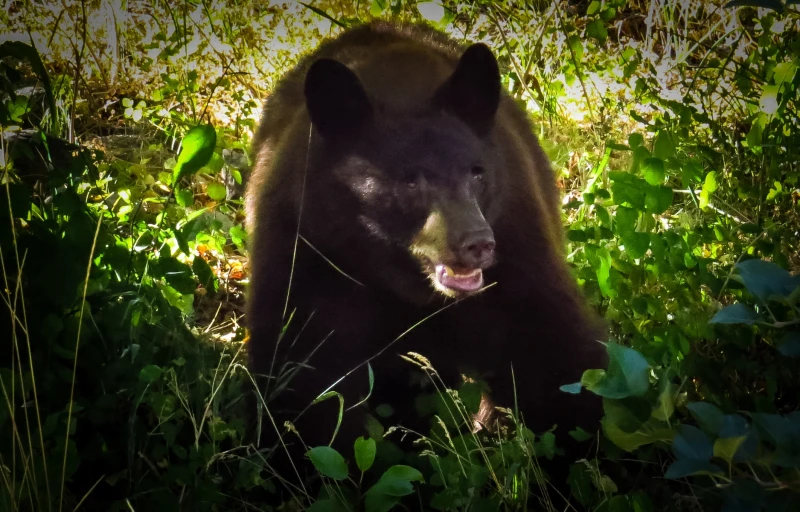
635	140
328	462
627	188
692	443
765	279
754	137
784	72
687	467
726	448
204	273
393	484
594	8
149	374
576	44
658	199
768	103
628	414
365	453
666	401
651	432
197	148
597	29
707	415
627	374
653	171
663	146
736	314
790	344
377	7
216	191
709	186
636	244
471	394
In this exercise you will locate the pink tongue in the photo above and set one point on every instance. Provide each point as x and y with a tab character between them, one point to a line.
468	282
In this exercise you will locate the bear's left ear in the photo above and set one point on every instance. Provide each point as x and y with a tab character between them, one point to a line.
472	92
336	100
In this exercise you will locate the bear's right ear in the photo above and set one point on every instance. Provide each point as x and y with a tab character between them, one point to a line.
336	100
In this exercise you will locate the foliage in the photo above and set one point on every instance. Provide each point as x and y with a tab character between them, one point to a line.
672	126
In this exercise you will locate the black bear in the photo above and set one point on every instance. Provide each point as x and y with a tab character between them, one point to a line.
400	202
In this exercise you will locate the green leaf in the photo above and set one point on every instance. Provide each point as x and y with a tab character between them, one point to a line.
687	467
784	72
184	197
653	171
377	7
204	273
597	29
393	484
658	199
666	401
627	188
594	8
636	244
635	140
197	149
576	44
692	443
707	415
726	448
328	462
627	374
149	374
470	394
365	453
790	344
216	191
765	279
663	147
736	314
709	186
650	432
754	137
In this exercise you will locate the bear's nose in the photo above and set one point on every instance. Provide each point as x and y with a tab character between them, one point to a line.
477	249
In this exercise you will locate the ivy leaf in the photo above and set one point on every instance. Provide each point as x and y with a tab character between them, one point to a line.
328	461
197	149
736	314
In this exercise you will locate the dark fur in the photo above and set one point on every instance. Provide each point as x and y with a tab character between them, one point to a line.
534	317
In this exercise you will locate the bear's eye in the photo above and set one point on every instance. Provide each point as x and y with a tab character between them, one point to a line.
478	172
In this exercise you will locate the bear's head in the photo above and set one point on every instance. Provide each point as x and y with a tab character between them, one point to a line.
425	180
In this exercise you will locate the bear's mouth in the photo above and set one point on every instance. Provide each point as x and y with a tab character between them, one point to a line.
458	280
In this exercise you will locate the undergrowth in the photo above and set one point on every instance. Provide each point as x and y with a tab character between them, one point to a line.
672	125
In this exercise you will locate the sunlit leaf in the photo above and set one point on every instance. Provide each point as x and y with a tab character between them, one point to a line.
197	148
